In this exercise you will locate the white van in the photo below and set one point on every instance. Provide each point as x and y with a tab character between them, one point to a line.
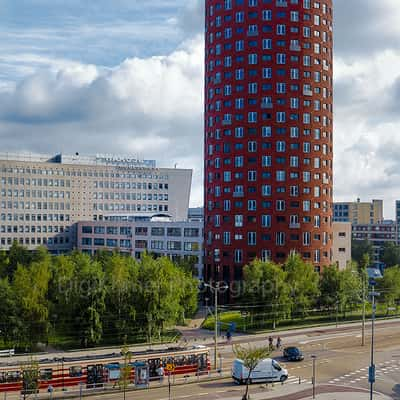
267	370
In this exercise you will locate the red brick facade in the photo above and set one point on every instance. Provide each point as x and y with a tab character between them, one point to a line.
268	133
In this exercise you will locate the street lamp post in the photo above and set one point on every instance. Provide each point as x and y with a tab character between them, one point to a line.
216	289
337	313
372	366
363	312
314	357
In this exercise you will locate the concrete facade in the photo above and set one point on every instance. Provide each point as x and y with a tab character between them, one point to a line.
377	235
358	212
159	236
42	196
341	243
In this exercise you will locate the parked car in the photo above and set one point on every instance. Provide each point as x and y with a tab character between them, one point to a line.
293	354
267	370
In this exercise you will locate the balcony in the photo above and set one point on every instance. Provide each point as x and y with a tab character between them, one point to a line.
281	3
238	194
294	226
307	92
295	47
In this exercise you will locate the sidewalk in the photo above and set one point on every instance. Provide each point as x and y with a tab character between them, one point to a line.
323	392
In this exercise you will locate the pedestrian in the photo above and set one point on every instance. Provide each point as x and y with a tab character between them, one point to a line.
271	342
278	343
228	336
50	390
160	372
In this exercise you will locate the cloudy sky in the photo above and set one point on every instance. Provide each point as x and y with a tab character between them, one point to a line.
126	76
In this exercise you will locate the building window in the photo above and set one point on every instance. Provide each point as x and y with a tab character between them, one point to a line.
280	238
238	256
251	238
238	221
280	176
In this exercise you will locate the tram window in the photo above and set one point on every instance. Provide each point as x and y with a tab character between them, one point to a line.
192	359
180	360
202	361
75	371
153	366
46	374
3	377
13	376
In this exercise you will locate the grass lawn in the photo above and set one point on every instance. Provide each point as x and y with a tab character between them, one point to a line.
61	341
262	322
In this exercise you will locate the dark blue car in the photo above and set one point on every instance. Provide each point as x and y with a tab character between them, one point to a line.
293	354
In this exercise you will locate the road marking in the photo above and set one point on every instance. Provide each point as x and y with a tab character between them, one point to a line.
326	338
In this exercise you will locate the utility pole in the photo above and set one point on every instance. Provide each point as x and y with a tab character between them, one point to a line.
372	366
373	274
216	289
363	311
314	357
216	325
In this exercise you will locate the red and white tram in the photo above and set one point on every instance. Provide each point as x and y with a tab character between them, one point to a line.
98	370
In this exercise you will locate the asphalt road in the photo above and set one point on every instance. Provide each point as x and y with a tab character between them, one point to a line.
341	361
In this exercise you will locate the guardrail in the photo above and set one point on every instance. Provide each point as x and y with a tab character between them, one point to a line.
7	353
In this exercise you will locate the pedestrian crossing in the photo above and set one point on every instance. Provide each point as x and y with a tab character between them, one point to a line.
360	375
294	380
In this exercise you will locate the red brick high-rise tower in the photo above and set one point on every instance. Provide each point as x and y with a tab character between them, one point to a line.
268	133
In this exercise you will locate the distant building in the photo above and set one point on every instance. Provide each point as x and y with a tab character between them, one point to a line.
358	212
196	213
341	244
398	212
135	234
42	196
377	235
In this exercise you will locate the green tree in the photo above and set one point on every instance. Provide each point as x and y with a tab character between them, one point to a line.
126	370
304	283
390	254
4	261
31	286
389	286
160	294
265	283
62	295
89	292
250	356
359	248
329	286
10	325
121	278
350	288
17	255
30	376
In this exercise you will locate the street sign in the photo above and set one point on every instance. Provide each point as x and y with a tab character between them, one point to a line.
170	367
371	374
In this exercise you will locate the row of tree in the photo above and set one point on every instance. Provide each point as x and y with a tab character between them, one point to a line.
294	289
389	253
109	298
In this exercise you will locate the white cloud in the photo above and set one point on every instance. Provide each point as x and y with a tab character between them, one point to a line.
151	107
